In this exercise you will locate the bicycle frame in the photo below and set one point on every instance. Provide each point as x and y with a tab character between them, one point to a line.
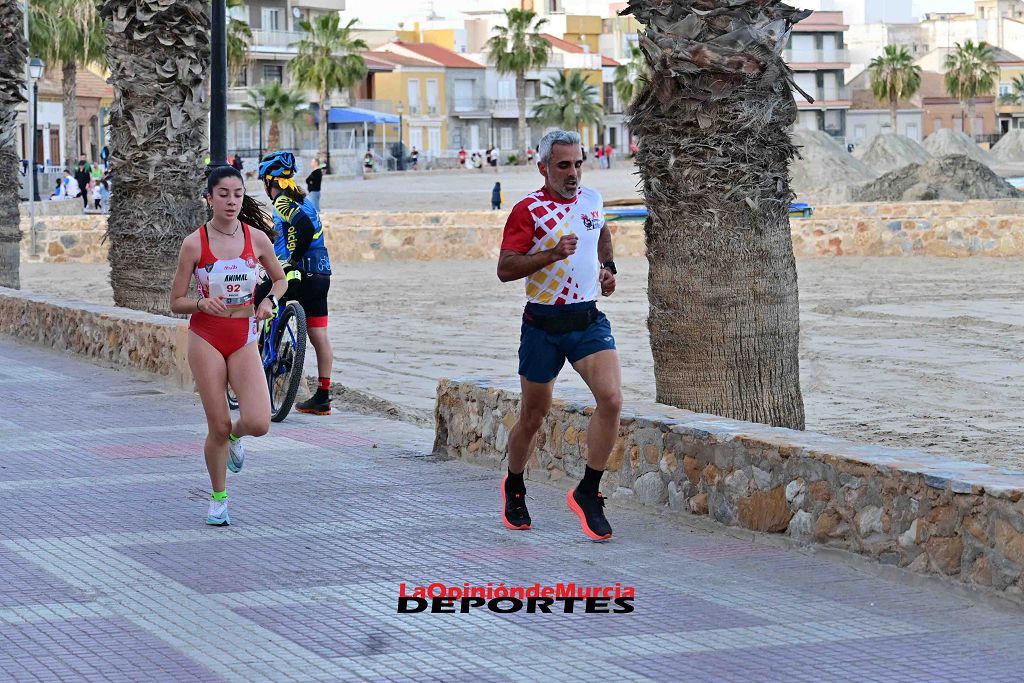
268	349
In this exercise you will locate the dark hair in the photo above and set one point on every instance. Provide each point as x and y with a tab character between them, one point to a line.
252	212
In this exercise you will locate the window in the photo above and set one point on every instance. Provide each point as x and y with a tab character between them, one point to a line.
416	139
242	79
1004	89
413	90
506	89
432	96
434	140
239	13
273	73
464	94
506	137
609	98
271	19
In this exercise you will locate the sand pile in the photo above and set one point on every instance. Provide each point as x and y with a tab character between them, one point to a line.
825	172
888	151
1010	148
952	178
946	142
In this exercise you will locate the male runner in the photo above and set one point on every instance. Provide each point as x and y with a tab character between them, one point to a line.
556	239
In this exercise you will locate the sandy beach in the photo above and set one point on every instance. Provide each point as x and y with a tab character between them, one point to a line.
908	352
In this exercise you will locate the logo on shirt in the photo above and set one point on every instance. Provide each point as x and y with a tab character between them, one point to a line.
251	263
588	223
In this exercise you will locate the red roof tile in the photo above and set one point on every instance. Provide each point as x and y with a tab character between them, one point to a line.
398	60
436	53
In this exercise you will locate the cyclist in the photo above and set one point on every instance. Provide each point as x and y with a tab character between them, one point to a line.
223	256
302	251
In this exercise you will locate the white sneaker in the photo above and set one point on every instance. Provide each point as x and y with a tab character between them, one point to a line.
236	455
218	514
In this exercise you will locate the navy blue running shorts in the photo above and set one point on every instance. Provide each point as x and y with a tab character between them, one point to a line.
542	354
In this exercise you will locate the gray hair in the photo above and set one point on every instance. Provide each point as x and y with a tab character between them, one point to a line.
556	137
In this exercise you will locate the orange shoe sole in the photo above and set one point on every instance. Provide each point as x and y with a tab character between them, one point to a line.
314	412
574	506
508	524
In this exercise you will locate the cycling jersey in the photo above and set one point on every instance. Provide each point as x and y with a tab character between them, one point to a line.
300	236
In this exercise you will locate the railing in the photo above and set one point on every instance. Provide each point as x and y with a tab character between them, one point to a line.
461	104
827	56
275	39
382	106
505	107
830	94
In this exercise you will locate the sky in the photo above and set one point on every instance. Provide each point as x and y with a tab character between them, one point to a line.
387	13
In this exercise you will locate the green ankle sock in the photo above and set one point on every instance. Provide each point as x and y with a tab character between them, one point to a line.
219	495
233	439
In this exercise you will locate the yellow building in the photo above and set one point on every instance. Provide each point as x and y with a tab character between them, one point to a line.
1009	112
416	89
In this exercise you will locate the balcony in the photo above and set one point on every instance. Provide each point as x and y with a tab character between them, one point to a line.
829	56
275	41
382	106
509	109
823	96
461	105
328	5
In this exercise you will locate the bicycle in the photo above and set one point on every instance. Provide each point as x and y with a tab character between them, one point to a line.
283	350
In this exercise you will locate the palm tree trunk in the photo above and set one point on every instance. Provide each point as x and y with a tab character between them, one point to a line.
724	308
274	135
521	101
970	114
325	110
69	72
158	139
12	75
892	114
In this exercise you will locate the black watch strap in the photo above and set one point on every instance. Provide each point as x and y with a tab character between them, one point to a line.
610	267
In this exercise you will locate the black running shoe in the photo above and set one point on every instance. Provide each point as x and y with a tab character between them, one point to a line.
314	406
590	510
515	515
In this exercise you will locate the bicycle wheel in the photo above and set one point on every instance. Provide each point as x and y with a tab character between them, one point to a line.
284	376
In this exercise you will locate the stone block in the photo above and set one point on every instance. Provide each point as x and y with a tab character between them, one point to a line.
699	504
765	510
651	489
945	553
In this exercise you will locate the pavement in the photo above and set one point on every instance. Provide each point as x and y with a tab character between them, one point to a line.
110	574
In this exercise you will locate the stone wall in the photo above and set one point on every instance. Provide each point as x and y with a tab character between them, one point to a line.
977	228
901	507
127	339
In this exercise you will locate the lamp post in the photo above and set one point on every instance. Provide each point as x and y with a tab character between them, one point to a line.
260	100
218	84
401	141
36	67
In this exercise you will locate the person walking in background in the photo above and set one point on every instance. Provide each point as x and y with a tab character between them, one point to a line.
496	197
236	162
599	154
414	158
313	181
608	151
368	162
462	157
104	192
82	179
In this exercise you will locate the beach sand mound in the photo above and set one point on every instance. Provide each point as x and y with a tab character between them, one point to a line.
1010	148
888	152
947	142
951	178
824	172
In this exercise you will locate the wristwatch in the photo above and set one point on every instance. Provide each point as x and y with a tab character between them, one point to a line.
610	267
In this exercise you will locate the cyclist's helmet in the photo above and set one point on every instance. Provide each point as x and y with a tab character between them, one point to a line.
277	165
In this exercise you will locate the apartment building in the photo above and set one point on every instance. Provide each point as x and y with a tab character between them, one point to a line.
818	57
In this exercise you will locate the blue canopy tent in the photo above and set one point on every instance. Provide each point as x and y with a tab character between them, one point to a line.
639	213
355	116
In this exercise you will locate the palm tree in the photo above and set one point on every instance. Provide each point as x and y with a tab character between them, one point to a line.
894	77
713	157
1017	85
515	49
12	79
158	139
628	76
68	33
239	38
971	70
280	106
328	60
571	103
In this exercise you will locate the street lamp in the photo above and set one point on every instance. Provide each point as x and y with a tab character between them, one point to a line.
259	99
401	142
36	67
218	84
